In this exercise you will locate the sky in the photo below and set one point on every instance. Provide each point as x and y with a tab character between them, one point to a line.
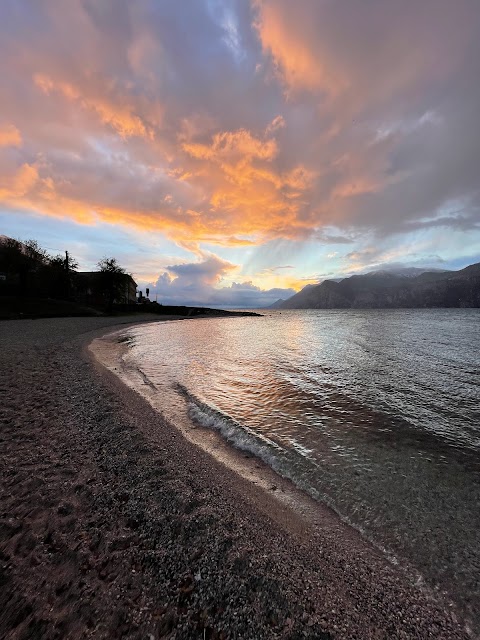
229	152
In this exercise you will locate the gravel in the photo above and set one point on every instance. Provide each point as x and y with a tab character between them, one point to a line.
112	525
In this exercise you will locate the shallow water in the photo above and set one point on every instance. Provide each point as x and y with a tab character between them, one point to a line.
375	412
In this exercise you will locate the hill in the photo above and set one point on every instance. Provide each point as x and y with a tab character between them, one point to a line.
391	290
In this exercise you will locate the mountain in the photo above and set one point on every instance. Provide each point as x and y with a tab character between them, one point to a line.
277	304
390	290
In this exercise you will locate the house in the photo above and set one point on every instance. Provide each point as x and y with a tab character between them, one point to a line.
130	290
92	289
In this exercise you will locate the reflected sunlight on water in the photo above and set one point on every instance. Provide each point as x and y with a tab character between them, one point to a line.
375	412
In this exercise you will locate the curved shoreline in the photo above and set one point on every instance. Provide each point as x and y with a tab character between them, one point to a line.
114	525
277	496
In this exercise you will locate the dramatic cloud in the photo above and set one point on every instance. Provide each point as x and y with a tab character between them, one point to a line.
230	125
195	284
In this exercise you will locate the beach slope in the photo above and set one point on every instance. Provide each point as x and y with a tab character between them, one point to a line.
113	525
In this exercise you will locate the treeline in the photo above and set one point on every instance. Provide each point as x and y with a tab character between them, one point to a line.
28	270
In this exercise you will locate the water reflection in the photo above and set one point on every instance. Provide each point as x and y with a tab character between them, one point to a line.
375	412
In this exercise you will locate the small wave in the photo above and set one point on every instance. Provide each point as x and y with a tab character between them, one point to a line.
288	463
300	448
282	461
240	436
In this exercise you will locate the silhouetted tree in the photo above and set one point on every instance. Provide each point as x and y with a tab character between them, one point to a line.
61	271
36	271
11	260
23	262
35	253
31	270
11	255
112	279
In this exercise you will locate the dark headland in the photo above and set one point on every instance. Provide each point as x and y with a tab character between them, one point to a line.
19	307
112	525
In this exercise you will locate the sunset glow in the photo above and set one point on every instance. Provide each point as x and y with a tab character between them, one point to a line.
230	152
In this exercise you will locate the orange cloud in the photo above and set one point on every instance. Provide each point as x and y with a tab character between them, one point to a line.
130	122
284	282
297	64
19	183
248	193
355	61
26	189
10	136
31	188
234	146
120	117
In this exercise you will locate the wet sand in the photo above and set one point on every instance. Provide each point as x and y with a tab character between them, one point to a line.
113	524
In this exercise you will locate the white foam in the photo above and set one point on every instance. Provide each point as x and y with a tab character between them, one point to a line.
240	437
244	439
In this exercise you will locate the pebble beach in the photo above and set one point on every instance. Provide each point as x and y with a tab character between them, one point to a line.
114	525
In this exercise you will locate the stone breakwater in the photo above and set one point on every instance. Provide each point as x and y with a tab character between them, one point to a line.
113	525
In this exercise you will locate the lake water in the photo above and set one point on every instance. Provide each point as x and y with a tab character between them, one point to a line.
373	412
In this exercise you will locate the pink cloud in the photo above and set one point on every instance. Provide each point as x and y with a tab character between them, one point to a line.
316	116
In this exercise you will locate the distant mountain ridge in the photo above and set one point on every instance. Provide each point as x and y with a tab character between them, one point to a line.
390	290
277	304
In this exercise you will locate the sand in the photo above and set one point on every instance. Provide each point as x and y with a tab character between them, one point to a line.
113	524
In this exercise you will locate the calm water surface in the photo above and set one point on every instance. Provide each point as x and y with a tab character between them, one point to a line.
375	412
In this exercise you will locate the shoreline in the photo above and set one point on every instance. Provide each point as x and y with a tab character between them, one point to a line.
290	506
277	496
114	525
